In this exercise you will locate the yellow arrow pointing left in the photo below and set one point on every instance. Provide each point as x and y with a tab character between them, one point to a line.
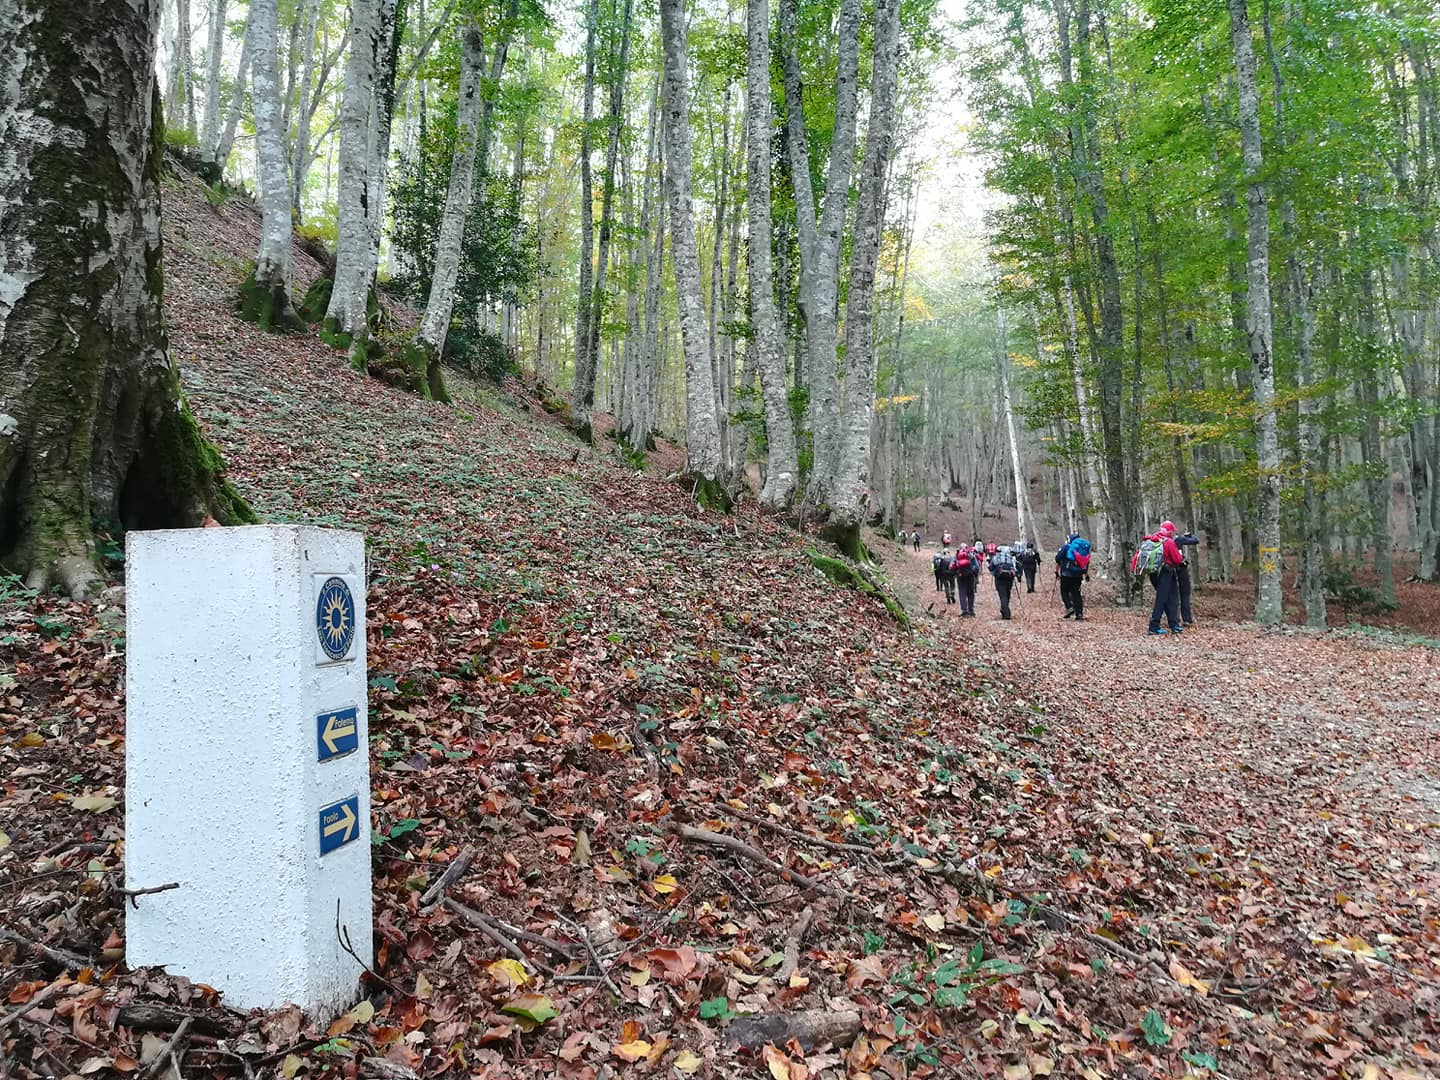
337	726
345	824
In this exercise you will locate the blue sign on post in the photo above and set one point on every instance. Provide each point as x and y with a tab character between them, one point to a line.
339	824
335	618
336	733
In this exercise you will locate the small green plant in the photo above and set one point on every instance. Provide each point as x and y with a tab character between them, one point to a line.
717	1008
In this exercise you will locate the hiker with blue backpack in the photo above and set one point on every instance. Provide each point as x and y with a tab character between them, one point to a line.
1004	569
1158	557
1072	567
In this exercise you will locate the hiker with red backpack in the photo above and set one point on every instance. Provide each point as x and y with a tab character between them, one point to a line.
1072	567
1159	558
1004	569
966	569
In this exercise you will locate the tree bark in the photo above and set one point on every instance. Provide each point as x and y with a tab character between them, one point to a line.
1269	600
237	101
582	395
820	238
93	424
857	403
702	426
214	57
782	472
265	296
181	111
300	152
435	323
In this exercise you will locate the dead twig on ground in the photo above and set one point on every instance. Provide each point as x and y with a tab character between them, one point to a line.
796	834
584	936
131	894
792	945
759	858
453	873
67	961
495	934
37	999
173	1054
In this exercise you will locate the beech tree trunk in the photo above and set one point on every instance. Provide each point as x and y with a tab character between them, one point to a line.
857	404
702	426
93	424
435	323
237	102
265	296
782	472
1268	599
181	110
582	395
214	57
820	238
300	151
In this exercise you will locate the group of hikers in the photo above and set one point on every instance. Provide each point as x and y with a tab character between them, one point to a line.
1160	557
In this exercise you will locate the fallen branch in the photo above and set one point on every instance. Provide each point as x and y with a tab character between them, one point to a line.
453	873
131	894
67	961
495	934
172	1054
795	834
810	1028
792	945
594	956
37	999
745	851
147	1016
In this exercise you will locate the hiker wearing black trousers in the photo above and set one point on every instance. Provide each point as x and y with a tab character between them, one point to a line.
1002	569
1165	582
967	570
1029	560
916	538
1071	577
941	564
1182	576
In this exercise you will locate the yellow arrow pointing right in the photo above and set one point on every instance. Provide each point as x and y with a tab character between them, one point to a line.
345	824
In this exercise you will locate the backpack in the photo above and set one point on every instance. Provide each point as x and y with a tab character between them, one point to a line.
940	563
1148	557
1002	563
1077	551
962	562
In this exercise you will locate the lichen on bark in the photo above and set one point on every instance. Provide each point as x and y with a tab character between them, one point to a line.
93	425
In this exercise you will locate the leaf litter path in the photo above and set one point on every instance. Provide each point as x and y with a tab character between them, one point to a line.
1269	803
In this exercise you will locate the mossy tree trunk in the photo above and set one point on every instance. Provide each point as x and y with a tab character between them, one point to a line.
93	424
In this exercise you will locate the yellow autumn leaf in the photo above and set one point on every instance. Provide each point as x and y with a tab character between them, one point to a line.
290	1066
631	1051
1181	974
423	989
31	738
687	1062
665	883
639	976
508	973
935	921
363	1012
97	803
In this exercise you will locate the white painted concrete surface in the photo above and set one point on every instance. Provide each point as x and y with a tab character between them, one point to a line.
228	690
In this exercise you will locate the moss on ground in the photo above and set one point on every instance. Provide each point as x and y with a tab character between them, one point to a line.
852	577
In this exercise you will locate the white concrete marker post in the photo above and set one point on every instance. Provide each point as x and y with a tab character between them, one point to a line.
247	779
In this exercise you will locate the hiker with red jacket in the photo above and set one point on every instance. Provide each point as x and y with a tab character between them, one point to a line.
1159	557
1072	567
966	568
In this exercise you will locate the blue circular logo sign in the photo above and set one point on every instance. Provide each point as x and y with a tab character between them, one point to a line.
335	618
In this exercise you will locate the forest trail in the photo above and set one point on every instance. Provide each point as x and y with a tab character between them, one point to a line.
1290	777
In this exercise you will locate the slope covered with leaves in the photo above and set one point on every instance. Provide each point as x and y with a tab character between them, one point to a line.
582	684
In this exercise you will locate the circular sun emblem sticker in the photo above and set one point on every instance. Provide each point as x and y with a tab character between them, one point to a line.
335	618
